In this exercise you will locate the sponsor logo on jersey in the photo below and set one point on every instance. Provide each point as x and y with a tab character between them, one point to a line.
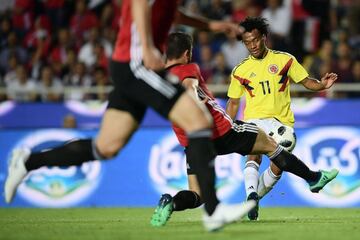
167	169
57	186
273	68
326	148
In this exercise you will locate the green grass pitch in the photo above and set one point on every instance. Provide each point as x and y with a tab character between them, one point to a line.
133	223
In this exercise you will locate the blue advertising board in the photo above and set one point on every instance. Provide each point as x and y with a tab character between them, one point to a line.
308	112
153	163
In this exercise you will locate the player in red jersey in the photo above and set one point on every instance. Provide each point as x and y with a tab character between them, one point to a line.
136	58
228	137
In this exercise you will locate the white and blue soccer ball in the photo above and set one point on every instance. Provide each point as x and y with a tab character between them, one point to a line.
284	136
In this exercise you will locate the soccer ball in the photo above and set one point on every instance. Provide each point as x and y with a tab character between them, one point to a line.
284	136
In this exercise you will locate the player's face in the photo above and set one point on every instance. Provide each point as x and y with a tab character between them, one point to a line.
255	43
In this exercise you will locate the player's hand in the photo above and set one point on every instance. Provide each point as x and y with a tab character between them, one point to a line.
226	27
328	80
153	59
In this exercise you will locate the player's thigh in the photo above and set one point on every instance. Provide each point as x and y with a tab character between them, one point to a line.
193	184
116	129
153	89
269	126
189	114
266	125
123	114
143	87
239	139
167	97
264	144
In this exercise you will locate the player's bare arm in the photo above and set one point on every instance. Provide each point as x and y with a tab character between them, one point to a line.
151	56
192	85
232	107
203	23
317	85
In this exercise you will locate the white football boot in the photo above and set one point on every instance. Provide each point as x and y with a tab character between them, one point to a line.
226	214
16	172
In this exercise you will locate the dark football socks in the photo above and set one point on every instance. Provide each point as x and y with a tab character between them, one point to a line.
201	155
289	162
186	200
70	154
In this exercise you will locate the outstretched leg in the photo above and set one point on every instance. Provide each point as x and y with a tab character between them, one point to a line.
184	199
268	179
192	116
286	161
116	129
251	181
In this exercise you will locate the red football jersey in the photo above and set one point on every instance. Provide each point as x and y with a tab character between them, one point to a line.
222	122
127	46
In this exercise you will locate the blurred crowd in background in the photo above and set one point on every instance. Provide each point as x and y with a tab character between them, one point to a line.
49	45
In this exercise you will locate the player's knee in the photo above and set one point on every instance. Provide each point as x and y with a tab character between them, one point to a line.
108	150
254	158
264	144
269	144
275	170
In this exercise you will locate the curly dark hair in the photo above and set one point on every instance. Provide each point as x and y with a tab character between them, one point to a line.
259	23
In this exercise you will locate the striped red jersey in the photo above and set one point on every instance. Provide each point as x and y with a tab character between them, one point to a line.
127	46
222	122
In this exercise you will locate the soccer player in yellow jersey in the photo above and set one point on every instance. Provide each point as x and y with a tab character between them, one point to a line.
264	78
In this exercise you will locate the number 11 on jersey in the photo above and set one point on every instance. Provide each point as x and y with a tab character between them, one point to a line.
265	85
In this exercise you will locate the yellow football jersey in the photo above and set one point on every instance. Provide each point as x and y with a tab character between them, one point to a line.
265	83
